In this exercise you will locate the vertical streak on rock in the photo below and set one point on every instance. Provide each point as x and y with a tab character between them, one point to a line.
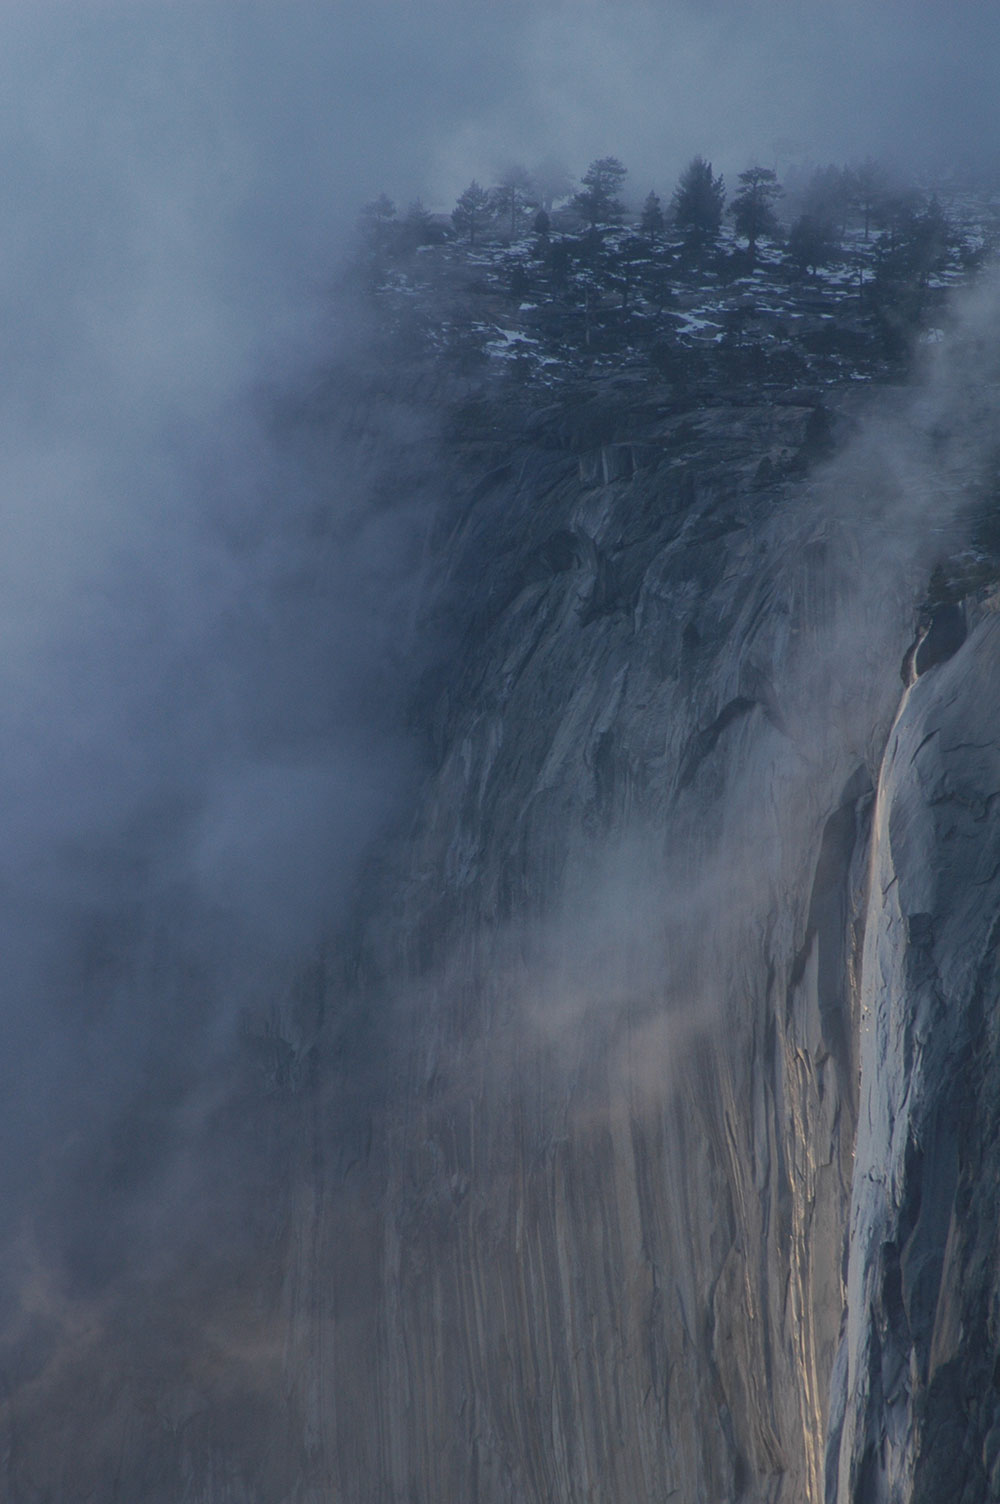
617	1139
917	1384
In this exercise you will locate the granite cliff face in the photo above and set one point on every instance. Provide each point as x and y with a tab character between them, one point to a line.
916	1390
650	942
623	1169
555	1193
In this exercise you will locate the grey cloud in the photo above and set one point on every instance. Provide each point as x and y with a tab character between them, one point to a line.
657	83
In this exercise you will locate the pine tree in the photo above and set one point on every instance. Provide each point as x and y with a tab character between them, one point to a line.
811	242
472	211
914	246
651	223
418	227
753	207
598	202
698	202
827	196
868	191
513	195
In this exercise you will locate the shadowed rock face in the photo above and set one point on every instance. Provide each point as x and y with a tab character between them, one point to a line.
623	1108
551	1162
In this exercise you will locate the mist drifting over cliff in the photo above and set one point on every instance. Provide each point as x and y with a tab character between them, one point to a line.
220	535
197	606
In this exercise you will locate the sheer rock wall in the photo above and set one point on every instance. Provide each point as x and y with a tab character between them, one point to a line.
552	1158
917	1400
615	1159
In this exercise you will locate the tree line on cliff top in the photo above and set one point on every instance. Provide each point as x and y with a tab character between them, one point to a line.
591	243
909	226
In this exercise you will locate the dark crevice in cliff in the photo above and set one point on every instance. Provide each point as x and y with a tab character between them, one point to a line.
703	742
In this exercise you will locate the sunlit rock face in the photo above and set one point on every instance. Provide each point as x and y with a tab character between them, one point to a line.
917	1384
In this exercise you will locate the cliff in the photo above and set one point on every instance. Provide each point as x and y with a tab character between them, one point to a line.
916	1390
554	1189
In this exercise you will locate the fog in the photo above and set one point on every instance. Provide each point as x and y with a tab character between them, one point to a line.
207	624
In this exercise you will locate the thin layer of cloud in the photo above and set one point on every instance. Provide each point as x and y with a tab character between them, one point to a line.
762	81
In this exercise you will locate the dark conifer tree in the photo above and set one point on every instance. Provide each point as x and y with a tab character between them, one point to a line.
472	212
753	207
827	197
868	192
651	223
598	202
697	205
419	227
811	242
513	195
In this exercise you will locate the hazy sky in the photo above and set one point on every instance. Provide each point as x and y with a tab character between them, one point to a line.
267	116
